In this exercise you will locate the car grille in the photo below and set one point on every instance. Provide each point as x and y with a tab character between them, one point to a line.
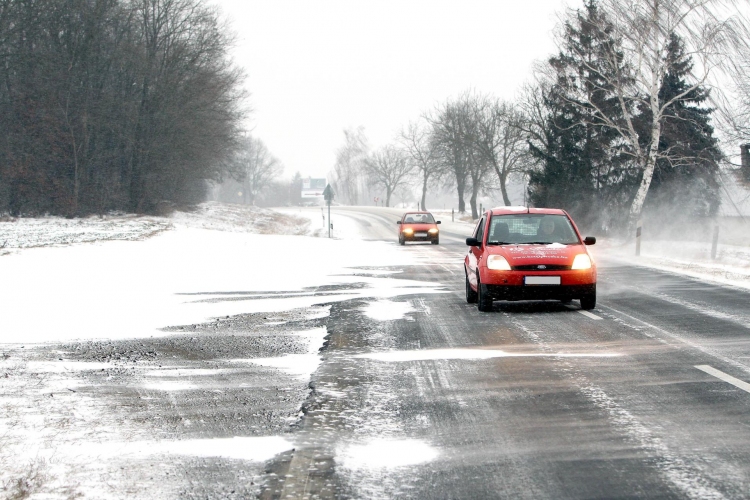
542	267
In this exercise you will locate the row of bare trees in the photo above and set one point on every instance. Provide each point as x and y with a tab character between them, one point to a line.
626	105
474	143
113	104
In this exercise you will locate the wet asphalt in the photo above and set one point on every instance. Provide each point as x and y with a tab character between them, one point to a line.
605	405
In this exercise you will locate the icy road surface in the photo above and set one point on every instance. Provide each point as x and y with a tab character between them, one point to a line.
354	368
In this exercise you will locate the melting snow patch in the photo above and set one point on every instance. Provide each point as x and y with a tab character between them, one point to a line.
65	366
240	448
299	365
386	310
171	386
189	372
315	338
434	354
386	454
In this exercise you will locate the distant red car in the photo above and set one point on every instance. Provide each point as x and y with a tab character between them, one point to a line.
418	226
519	253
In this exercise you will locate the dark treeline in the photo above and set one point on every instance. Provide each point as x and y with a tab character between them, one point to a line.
113	104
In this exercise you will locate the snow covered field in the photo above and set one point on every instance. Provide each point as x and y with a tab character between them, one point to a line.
212	263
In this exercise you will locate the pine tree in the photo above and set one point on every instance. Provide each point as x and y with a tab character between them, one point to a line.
689	178
582	168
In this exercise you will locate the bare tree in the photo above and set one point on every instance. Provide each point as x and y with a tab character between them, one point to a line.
422	150
348	172
448	123
390	168
501	139
257	168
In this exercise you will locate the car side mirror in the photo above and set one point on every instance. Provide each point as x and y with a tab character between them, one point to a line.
438	222
398	222
589	240
472	242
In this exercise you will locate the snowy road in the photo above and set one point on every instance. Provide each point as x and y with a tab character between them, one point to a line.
414	394
535	400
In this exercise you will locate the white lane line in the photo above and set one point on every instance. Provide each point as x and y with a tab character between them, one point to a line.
589	315
723	376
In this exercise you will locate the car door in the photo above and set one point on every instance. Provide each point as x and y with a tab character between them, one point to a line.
475	253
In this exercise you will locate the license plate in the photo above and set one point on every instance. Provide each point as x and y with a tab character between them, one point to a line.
420	235
542	280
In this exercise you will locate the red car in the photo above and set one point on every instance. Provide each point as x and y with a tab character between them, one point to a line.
418	226
519	253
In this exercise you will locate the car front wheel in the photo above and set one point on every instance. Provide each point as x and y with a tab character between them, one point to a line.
588	302
401	240
436	241
484	301
471	295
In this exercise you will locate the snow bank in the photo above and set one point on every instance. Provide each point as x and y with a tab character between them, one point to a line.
127	289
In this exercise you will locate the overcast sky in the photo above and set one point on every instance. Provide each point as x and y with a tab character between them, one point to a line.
315	67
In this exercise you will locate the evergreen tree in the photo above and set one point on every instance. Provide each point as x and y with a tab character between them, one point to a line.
582	169
689	177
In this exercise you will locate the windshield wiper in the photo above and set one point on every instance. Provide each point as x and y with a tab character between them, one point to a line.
499	243
539	242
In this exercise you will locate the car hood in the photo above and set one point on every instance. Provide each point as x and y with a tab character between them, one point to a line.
554	254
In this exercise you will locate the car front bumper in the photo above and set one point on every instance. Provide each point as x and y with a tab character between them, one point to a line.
540	292
414	237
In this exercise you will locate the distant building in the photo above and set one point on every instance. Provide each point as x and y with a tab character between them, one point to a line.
312	190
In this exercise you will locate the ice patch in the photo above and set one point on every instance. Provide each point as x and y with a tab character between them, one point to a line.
435	354
386	454
386	310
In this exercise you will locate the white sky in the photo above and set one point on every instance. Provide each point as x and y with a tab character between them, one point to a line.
316	67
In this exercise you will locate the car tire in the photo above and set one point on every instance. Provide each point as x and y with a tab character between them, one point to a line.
566	301
484	301
436	241
588	302
471	295
401	240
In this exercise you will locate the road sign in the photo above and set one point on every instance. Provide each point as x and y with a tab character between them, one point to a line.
328	194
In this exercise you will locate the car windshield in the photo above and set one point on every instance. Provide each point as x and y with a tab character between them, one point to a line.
531	229
419	219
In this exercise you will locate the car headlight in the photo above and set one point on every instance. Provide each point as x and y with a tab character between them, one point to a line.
498	263
433	230
408	230
582	261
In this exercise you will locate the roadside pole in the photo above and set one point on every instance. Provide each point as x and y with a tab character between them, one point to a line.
328	195
715	242
638	229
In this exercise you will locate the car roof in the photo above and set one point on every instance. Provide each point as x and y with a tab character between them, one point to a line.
526	210
409	213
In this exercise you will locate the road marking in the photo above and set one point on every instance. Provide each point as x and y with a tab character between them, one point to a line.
589	315
723	376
